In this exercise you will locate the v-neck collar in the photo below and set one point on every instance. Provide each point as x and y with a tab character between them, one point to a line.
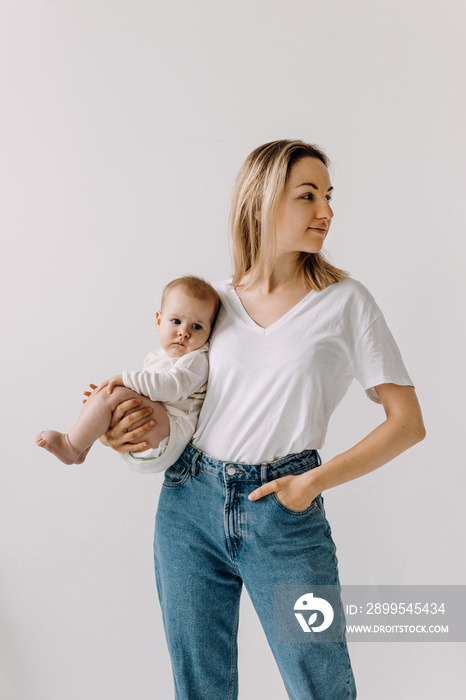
233	295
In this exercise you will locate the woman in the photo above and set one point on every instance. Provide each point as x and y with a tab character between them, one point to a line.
243	503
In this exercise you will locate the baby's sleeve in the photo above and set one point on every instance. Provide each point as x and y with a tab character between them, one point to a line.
377	359
186	377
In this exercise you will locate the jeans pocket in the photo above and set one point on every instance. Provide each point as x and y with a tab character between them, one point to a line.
312	506
176	475
297	471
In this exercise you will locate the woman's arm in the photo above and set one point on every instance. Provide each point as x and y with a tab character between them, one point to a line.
402	429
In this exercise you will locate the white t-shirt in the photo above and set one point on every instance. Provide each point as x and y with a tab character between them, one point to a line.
271	391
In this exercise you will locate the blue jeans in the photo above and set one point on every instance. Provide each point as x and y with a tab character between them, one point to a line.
209	539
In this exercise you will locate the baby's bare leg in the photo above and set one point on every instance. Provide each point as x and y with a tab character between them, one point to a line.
94	421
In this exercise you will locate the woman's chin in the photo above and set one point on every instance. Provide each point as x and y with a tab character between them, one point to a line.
313	249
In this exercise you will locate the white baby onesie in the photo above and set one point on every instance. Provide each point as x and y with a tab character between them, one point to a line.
180	383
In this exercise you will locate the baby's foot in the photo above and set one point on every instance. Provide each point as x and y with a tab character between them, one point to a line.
82	456
59	444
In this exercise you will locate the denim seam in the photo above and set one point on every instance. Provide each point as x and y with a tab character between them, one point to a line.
180	482
350	676
233	662
194	467
297	470
229	512
256	478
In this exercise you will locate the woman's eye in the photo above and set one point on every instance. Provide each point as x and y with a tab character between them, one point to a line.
175	320
197	327
309	197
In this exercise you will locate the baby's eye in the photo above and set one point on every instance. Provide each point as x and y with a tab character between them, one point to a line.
196	327
175	320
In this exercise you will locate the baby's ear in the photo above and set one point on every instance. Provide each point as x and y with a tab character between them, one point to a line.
158	318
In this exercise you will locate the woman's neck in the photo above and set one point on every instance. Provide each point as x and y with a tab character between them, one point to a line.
277	274
268	295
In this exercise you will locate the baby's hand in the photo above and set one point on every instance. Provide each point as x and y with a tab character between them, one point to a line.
117	380
88	393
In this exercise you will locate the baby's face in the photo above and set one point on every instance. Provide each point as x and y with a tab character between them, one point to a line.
184	323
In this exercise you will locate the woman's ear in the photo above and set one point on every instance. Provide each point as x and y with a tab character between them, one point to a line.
258	215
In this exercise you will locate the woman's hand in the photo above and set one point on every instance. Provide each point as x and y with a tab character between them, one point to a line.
120	435
295	492
123	417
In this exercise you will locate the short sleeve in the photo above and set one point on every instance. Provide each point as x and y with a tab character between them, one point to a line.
377	359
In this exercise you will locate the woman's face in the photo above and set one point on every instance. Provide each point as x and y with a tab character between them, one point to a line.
304	214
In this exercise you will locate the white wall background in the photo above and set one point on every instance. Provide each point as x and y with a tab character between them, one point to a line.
123	125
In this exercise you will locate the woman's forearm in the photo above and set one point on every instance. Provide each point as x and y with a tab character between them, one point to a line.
387	441
403	428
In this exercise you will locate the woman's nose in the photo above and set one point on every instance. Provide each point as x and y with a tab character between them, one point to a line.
325	211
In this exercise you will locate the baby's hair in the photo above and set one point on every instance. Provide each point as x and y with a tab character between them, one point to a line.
196	287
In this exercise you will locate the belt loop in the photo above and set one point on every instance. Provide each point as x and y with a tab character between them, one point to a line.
264	467
194	469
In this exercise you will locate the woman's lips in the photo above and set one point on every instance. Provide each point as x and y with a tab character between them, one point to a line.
318	230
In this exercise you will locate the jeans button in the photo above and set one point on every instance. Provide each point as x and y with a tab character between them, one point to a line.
231	471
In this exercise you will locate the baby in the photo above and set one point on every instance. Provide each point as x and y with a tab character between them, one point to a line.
176	375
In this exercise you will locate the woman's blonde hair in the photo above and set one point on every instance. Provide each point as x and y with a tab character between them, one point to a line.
258	188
